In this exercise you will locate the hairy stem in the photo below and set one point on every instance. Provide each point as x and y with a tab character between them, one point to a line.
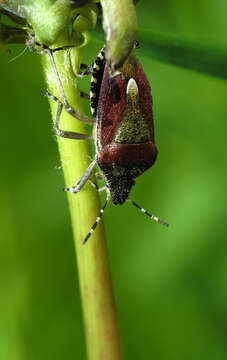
97	298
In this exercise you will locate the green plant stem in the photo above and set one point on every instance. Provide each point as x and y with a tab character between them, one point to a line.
100	320
120	26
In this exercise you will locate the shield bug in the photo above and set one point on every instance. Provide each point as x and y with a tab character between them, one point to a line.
121	105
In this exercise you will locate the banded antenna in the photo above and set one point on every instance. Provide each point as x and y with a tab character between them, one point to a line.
153	217
98	218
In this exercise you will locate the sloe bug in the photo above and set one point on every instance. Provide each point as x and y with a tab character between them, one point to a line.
121	106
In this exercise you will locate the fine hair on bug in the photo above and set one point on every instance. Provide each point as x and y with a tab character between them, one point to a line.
121	106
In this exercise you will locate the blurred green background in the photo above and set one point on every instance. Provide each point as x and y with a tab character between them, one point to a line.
170	284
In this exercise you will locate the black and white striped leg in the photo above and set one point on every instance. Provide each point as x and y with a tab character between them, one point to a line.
62	133
98	218
84	95
83	180
31	42
102	189
88	69
96	186
155	218
67	106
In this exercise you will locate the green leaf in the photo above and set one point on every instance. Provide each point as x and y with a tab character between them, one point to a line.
200	56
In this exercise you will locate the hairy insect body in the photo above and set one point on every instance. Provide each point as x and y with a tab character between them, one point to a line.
125	145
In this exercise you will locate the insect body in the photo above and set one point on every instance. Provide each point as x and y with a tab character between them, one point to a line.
124	138
124	132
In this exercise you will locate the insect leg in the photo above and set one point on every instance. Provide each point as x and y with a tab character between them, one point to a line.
99	176
97	219
96	186
84	95
147	213
102	188
68	107
63	133
83	180
50	53
88	69
31	42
